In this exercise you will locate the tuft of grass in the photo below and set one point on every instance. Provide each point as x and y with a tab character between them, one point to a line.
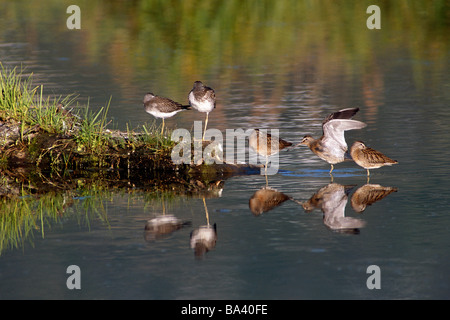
148	136
154	139
91	132
26	106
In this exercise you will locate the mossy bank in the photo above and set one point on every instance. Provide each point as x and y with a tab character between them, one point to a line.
43	133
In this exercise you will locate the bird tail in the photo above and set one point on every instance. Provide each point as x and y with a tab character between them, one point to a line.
186	107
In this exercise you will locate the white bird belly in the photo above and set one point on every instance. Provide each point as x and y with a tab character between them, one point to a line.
159	114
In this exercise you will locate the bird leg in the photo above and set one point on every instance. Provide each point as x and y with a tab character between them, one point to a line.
206	211
162	129
332	168
206	123
265	171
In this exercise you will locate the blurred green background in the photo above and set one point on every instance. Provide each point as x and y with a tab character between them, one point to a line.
183	40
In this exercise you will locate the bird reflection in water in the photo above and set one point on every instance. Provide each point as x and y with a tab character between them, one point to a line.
332	199
203	239
162	226
265	199
369	194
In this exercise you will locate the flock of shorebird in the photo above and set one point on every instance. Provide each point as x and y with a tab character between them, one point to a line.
331	146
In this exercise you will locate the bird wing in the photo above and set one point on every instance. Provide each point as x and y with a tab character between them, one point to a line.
334	129
207	94
374	157
211	95
341	114
166	105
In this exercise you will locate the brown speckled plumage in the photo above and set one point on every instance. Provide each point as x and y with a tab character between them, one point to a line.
369	194
265	144
369	158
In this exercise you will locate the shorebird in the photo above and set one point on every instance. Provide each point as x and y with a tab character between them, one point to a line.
265	199
332	146
332	200
203	99
369	194
369	158
161	107
266	145
204	238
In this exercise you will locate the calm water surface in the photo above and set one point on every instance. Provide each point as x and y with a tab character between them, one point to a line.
287	252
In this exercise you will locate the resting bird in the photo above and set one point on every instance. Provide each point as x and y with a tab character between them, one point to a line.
369	158
161	107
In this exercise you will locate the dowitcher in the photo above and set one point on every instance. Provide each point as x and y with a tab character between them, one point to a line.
266	145
265	199
369	158
369	194
332	200
161	107
331	146
203	99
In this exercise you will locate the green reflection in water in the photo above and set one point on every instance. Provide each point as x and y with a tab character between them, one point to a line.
32	203
25	214
183	40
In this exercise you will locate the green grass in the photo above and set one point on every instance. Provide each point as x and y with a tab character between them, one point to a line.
23	104
91	133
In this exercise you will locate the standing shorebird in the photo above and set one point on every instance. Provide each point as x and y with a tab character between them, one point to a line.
332	146
161	107
369	158
203	99
266	145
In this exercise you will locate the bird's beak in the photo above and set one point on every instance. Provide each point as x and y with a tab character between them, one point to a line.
289	149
